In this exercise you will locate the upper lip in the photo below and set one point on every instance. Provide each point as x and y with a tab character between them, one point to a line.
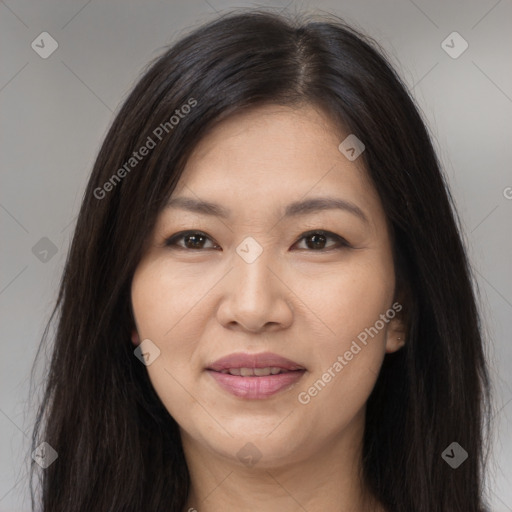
262	360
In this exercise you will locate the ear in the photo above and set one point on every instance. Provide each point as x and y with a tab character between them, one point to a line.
135	337
395	336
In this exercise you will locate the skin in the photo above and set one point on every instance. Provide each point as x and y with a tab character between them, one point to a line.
304	303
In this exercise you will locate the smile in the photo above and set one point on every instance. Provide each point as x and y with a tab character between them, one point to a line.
255	376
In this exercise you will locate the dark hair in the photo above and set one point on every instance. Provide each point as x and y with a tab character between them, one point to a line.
100	411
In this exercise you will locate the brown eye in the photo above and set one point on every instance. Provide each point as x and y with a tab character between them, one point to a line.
314	241
191	240
317	241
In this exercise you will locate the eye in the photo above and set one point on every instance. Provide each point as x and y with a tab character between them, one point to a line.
315	240
192	240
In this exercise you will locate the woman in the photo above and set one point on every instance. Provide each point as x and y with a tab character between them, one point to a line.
267	304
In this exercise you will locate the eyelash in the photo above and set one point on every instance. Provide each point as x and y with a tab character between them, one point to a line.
171	242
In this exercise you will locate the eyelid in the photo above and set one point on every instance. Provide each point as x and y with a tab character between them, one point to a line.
342	243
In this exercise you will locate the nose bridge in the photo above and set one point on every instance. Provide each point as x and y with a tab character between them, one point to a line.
252	273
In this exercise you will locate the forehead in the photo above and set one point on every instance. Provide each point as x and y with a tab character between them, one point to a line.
275	154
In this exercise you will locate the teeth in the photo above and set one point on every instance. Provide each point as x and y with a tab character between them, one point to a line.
255	372
261	371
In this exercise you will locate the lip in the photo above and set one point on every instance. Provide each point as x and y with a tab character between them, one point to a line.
255	387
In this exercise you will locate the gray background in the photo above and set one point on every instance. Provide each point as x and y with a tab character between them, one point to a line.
56	111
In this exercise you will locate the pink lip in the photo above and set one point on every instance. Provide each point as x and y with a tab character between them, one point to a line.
254	387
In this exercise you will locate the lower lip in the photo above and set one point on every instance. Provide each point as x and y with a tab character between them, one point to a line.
256	388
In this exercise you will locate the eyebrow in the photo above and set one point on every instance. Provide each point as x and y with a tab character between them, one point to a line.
295	209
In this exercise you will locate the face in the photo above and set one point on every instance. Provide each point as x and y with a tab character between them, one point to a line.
271	313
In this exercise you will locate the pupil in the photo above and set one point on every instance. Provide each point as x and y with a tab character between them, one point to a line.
194	240
318	240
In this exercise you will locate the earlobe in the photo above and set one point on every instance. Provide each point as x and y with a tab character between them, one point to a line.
135	337
394	344
395	336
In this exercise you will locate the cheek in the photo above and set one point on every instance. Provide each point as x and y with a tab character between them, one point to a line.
160	310
350	355
352	297
169	304
160	301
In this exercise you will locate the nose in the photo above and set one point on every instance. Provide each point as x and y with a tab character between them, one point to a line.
255	297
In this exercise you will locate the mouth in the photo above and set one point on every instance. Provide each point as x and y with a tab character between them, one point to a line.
256	372
255	376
